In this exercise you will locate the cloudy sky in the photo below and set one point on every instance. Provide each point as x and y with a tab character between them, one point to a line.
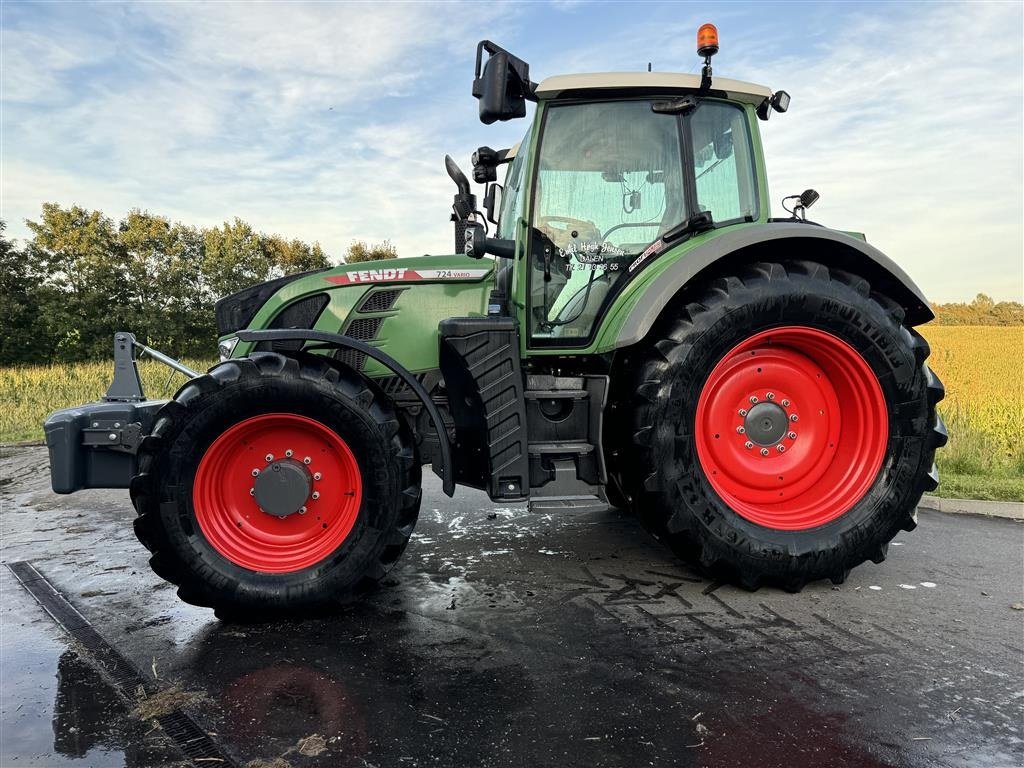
329	121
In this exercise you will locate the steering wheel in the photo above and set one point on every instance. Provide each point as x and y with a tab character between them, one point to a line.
559	230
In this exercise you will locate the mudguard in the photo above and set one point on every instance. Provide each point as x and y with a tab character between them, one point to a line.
772	241
336	339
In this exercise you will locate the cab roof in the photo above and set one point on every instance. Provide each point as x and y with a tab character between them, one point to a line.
553	87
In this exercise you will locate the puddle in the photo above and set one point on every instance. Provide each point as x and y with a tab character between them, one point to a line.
57	710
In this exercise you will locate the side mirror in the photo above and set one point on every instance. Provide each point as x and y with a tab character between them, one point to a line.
502	85
492	201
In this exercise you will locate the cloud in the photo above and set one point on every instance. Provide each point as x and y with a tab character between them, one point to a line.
329	122
920	148
325	122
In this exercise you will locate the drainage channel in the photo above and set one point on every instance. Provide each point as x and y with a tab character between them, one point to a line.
121	674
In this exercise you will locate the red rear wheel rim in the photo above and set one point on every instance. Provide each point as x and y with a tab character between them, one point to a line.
835	432
232	520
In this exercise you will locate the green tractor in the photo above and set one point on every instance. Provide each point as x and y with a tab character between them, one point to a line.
624	324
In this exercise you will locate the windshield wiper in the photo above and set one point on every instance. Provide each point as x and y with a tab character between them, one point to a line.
699	222
675	106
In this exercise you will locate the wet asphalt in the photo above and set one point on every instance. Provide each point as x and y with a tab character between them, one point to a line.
506	638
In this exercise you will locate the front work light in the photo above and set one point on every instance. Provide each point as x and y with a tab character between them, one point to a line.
777	102
226	347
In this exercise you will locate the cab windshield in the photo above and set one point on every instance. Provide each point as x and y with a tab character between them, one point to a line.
612	179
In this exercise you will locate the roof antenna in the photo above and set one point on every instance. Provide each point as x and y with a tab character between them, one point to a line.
648	66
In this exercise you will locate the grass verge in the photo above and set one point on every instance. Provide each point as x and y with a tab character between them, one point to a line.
28	394
979	365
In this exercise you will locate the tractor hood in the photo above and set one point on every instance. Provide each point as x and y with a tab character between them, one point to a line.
237	310
393	304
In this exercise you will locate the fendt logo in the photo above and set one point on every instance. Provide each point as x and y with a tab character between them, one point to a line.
406	275
372	275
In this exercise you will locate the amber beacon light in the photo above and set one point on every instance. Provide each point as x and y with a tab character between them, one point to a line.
707	46
707	40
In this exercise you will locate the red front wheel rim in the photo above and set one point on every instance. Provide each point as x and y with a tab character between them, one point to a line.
791	428
225	501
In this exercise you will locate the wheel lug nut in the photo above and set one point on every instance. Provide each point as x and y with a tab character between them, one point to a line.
316	495
743	411
780	448
255	473
252	491
317	475
741	430
764	451
289	453
270	457
794	417
302	510
307	460
770	396
792	435
748	445
785	403
753	399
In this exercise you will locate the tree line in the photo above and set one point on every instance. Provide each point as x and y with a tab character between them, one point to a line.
982	311
82	276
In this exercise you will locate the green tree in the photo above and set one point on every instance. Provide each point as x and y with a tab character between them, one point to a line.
76	254
983	310
163	263
234	257
359	251
291	256
89	278
19	295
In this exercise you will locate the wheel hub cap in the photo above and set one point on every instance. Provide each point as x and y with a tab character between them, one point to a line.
283	487
766	424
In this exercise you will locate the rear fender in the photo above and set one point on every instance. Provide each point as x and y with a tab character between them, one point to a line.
771	242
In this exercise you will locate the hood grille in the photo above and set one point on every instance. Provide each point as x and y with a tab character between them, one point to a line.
380	301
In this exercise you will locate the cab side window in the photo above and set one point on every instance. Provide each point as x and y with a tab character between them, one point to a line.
721	160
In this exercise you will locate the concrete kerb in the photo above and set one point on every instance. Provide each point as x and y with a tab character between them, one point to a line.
1014	510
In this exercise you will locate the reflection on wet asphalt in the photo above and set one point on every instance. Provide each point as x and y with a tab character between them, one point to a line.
510	639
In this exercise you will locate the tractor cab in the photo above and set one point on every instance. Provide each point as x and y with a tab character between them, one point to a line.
615	169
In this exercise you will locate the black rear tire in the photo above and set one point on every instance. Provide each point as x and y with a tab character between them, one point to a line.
672	492
307	386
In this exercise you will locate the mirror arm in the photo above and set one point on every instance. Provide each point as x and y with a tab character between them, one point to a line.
503	249
477	244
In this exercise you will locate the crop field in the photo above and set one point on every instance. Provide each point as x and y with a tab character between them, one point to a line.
983	370
981	366
29	393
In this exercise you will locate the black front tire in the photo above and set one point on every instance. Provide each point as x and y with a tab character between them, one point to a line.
305	385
